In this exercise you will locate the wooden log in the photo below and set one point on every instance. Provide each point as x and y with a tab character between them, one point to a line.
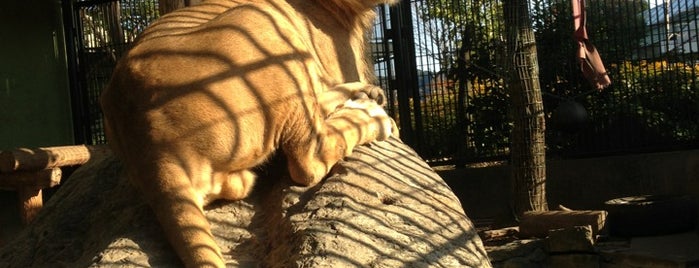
498	234
538	223
30	179
49	157
30	203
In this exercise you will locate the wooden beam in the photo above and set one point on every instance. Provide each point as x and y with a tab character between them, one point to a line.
538	224
49	157
30	179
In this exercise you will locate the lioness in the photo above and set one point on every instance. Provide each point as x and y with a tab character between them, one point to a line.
210	91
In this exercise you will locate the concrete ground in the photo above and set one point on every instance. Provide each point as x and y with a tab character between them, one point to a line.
675	250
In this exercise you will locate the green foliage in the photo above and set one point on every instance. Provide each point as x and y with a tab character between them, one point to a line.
665	95
481	130
488	124
439	125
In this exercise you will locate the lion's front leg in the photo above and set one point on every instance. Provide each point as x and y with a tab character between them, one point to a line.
336	97
356	122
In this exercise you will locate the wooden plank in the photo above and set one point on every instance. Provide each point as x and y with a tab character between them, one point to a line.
48	157
538	224
30	179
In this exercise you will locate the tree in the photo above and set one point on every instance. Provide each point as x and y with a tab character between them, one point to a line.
470	38
527	149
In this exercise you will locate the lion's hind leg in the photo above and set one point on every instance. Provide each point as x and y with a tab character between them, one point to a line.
234	185
168	189
356	122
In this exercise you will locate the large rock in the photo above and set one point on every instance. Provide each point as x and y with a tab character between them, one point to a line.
383	207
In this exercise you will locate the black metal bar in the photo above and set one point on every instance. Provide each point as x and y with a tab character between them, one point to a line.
406	74
76	96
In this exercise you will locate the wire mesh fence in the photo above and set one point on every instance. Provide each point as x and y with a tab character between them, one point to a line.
443	66
651	52
649	48
103	31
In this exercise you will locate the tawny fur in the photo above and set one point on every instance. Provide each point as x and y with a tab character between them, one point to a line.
210	91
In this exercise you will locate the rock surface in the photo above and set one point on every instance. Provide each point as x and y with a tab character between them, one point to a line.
383	207
574	239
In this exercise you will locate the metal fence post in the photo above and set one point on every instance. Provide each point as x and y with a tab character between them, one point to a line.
406	74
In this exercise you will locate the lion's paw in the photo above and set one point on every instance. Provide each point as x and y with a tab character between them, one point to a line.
370	92
382	124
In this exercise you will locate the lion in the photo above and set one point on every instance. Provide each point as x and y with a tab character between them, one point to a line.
211	91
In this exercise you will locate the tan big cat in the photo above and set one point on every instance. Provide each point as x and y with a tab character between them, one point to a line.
210	91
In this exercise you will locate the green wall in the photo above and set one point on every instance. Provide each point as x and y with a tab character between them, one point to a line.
34	93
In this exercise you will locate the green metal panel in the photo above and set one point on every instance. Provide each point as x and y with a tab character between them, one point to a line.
34	92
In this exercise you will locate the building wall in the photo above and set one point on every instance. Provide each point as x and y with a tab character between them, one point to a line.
579	183
34	92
